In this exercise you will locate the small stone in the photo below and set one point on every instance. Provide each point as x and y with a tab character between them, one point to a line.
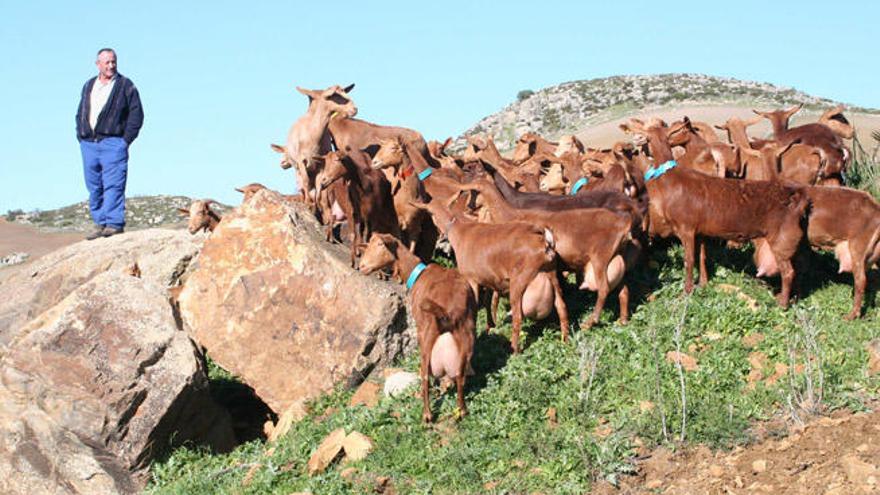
759	466
348	473
367	394
687	362
752	340
654	484
291	415
327	452
250	474
716	470
873	348
646	405
738	482
357	446
862	448
397	383
490	485
551	417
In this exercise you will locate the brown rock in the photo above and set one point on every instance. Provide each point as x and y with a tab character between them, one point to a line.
327	452
276	305
759	466
716	470
98	386
367	394
780	370
857	470
873	348
293	414
687	362
752	340
348	473
357	446
28	290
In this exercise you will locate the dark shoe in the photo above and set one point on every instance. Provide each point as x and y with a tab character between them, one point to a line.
99	232
111	231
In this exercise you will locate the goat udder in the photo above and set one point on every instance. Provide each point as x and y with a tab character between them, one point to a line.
445	356
764	259
614	274
338	214
844	257
538	298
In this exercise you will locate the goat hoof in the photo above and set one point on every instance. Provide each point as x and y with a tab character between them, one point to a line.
427	417
852	316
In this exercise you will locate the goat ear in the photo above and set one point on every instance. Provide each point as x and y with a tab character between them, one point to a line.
183	211
446	143
722	127
348	88
308	92
277	148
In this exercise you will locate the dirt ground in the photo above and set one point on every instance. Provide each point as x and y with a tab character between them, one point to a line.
608	133
23	238
837	455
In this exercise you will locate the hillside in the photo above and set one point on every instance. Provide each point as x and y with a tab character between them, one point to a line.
573	107
142	212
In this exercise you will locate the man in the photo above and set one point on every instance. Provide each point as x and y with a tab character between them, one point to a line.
108	120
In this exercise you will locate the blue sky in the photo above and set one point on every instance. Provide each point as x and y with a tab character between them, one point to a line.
217	78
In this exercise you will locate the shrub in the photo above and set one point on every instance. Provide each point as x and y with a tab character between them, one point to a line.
524	94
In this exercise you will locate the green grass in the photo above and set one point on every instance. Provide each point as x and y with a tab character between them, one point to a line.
611	388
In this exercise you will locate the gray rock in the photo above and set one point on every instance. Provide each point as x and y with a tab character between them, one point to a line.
397	383
98	386
279	307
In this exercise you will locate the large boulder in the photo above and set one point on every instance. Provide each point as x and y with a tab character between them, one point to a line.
96	387
276	305
28	290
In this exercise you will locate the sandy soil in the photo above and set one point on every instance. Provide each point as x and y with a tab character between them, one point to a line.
606	134
835	455
22	238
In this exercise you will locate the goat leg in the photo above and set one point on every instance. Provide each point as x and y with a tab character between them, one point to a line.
426	346
786	273
687	242
623	299
493	311
561	308
860	281
704	276
517	288
601	274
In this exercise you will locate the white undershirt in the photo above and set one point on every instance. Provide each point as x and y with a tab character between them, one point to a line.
100	95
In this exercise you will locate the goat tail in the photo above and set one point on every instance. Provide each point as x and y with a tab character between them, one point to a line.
441	316
549	243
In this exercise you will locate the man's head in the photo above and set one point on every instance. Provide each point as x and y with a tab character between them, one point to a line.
106	63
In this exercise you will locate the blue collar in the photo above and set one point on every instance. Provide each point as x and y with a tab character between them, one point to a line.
653	173
578	185
414	275
424	174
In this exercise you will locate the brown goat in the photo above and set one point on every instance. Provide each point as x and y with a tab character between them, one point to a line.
443	307
691	206
308	137
589	241
201	216
368	192
841	219
835	155
510	258
531	144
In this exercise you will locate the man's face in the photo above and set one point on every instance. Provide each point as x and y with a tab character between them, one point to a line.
106	65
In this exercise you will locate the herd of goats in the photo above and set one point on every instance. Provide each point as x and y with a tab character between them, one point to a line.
514	223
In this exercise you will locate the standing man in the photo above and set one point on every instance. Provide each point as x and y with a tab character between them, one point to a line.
108	120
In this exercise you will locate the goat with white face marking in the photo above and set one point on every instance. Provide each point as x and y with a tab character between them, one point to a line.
201	216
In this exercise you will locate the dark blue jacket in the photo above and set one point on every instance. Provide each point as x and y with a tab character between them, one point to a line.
122	115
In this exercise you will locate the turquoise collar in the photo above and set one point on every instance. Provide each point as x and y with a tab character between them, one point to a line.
578	185
414	275
653	173
424	174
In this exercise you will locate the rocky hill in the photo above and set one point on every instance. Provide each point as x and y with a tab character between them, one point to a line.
572	106
142	212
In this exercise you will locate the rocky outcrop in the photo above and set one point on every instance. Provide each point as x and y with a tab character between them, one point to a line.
280	308
100	384
26	291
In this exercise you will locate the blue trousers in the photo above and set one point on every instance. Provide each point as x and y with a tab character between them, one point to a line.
105	166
